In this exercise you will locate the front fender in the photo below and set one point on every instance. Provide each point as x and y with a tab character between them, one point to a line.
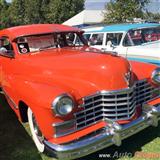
38	97
142	70
33	93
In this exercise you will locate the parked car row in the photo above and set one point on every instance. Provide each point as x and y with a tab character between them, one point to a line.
139	42
76	99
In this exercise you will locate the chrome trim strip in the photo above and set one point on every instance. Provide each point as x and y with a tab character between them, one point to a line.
153	99
64	128
62	123
9	98
122	91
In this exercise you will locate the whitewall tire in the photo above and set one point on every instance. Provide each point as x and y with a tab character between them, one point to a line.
36	133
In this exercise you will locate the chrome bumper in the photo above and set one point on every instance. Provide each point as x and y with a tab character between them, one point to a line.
112	134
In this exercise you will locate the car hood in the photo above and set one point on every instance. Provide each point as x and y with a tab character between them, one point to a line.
76	70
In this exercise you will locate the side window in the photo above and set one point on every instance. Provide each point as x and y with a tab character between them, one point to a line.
71	39
87	36
97	39
6	48
23	45
78	41
114	38
127	41
151	34
134	38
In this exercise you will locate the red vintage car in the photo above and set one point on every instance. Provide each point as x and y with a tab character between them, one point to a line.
76	99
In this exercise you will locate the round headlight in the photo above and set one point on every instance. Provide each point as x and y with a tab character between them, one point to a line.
63	105
156	76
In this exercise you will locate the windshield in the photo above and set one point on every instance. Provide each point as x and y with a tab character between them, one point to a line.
35	43
141	36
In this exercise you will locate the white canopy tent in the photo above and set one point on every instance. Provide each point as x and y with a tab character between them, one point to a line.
86	17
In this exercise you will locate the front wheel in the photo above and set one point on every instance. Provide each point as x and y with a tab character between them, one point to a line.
35	131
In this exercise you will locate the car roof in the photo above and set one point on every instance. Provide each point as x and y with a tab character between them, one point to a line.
121	27
35	29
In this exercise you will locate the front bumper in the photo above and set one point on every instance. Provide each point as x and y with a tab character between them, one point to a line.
112	134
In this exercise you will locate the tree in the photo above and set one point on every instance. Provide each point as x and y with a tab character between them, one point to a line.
43	11
120	11
4	21
36	10
155	17
17	12
61	10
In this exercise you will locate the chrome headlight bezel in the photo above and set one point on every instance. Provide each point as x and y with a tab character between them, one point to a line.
62	110
155	74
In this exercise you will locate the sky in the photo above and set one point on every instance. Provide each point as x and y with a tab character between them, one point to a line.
95	4
154	6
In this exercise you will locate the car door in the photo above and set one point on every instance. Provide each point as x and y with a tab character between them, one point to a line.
6	60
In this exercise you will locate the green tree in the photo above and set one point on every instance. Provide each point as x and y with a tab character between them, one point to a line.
43	11
4	21
152	16
36	10
120	11
61	10
28	11
17	12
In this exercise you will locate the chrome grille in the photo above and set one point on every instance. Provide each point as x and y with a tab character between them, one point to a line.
114	105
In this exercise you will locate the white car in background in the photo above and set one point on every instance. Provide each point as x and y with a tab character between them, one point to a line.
140	42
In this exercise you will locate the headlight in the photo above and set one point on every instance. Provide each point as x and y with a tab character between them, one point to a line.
63	105
156	76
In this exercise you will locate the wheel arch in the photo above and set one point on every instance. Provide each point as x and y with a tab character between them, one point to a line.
23	107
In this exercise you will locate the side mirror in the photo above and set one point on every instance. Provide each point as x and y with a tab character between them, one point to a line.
4	52
111	45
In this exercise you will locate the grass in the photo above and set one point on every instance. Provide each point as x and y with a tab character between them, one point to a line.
16	142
